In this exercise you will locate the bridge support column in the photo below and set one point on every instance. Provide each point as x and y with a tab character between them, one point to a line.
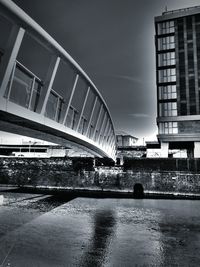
49	81
196	149
164	149
9	58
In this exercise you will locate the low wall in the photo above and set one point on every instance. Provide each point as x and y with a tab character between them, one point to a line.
59	172
162	164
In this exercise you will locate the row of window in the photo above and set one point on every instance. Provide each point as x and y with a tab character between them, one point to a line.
167	75
166	27
168	109
165	43
166	59
168	127
167	92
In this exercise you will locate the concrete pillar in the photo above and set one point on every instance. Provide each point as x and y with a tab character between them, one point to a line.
164	149
196	149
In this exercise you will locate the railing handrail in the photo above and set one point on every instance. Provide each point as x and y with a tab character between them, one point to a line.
57	94
28	71
33	26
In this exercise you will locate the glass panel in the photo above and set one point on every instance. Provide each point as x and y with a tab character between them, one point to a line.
165	43
69	117
83	126
21	88
34	56
74	120
35	96
6	28
62	111
168	109
79	98
88	108
166	59
63	84
95	117
166	27
99	125
51	106
168	128
79	95
167	75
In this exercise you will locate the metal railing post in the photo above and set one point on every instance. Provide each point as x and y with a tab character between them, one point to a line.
31	95
11	81
83	107
100	130
105	129
9	58
95	128
70	99
90	120
49	80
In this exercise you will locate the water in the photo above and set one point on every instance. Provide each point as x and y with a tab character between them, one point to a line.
44	231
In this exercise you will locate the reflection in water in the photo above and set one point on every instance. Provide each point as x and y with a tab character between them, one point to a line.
179	240
104	223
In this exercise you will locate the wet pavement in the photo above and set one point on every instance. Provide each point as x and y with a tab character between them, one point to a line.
38	230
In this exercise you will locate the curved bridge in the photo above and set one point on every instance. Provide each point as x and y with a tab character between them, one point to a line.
44	93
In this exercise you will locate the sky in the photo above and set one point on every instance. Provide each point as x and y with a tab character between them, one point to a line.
113	41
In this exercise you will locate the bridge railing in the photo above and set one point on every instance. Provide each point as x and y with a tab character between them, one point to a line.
77	105
24	87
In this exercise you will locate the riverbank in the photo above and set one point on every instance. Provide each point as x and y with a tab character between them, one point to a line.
96	193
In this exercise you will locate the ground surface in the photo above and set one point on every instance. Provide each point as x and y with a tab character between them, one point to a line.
43	231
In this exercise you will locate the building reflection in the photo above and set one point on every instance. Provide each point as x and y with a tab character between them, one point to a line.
103	232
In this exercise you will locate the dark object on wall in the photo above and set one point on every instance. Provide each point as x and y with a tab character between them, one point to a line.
138	191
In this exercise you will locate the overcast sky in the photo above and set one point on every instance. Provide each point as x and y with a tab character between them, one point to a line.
113	41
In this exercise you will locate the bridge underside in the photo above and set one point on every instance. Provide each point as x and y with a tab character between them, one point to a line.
21	126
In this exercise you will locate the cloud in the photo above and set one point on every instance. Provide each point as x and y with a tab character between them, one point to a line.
128	78
140	115
122	77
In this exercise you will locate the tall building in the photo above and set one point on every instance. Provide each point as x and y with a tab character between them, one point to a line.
177	44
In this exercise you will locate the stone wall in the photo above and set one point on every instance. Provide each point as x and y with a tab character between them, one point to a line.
59	172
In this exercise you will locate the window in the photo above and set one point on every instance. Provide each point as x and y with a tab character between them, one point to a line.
168	128
167	92
168	109
166	43
166	27
167	75
166	59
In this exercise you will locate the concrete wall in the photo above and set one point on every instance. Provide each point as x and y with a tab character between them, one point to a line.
49	172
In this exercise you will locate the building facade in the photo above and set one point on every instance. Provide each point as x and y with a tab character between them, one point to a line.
127	148
177	42
125	140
